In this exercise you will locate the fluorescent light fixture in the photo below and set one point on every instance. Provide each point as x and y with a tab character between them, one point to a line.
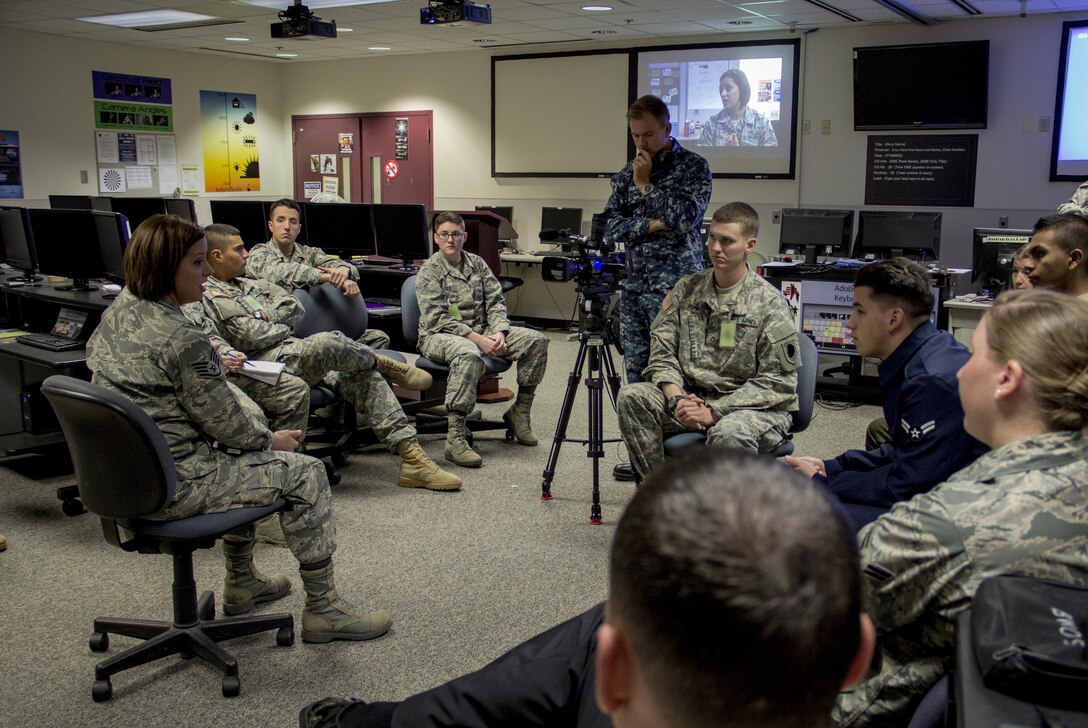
237	39
286	55
149	18
379	48
596	8
311	4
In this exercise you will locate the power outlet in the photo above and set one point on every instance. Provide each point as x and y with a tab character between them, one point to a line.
776	217
1044	123
825	126
806	127
83	176
1003	221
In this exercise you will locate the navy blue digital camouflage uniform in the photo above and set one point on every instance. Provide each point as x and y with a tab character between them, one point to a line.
925	424
655	262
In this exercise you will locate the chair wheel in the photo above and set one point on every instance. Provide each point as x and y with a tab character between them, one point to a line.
101	690
333	475
285	636
99	642
231	686
73	508
338	459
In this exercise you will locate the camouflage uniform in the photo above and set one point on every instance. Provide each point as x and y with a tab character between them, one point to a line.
1078	202
300	270
656	262
751	386
754	130
287	402
257	317
1022	508
454	303
155	356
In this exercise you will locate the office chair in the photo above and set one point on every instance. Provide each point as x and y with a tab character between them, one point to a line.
326	308
806	395
435	421
126	473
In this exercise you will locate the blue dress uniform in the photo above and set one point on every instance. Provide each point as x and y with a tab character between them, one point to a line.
655	262
925	422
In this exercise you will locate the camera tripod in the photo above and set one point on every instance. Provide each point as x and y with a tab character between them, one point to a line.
594	340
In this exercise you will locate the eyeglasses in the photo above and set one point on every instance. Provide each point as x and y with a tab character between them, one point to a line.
444	236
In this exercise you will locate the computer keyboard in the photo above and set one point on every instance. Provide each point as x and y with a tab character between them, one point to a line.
385	301
51	342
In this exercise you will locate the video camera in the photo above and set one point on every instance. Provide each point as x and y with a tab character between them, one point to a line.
592	261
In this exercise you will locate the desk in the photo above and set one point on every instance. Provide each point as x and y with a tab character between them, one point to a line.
963	318
27	421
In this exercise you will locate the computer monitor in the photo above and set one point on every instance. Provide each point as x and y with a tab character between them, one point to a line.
400	231
249	216
889	233
506	212
17	243
113	235
344	228
561	219
138	209
992	251
67	245
79	202
811	233
183	207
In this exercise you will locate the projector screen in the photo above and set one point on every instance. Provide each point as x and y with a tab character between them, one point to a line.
1069	150
696	81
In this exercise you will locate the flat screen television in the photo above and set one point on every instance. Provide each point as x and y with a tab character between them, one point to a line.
400	231
810	233
17	243
889	233
1069	144
992	251
925	86
67	245
695	82
344	228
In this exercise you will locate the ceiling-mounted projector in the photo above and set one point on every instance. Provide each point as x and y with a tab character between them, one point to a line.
439	12
298	21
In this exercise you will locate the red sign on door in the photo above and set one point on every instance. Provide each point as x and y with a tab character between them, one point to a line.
391	169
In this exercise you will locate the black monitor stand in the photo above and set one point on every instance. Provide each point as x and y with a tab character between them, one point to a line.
406	263
27	278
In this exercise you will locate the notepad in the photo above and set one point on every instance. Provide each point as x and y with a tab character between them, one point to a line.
263	371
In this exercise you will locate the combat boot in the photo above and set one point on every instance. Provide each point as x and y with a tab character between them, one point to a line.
458	450
244	586
406	375
328	617
419	471
517	417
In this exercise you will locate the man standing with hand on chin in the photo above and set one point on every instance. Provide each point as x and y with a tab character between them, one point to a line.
657	204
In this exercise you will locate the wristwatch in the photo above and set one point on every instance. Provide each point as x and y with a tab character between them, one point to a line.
675	400
647	188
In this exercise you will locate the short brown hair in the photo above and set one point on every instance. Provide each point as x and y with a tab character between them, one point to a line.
284	202
649	105
153	254
447	217
741	213
898	282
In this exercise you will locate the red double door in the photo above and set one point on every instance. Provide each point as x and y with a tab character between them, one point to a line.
385	157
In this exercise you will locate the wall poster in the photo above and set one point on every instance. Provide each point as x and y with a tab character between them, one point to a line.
11	174
229	129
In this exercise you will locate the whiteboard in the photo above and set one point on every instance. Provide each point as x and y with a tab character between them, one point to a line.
559	115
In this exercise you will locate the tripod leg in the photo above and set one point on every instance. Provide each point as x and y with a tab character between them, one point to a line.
564	419
596	431
612	377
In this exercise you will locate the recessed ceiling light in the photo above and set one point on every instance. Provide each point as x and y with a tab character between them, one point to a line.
286	55
379	48
148	18
738	22
483	40
607	31
237	38
596	8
